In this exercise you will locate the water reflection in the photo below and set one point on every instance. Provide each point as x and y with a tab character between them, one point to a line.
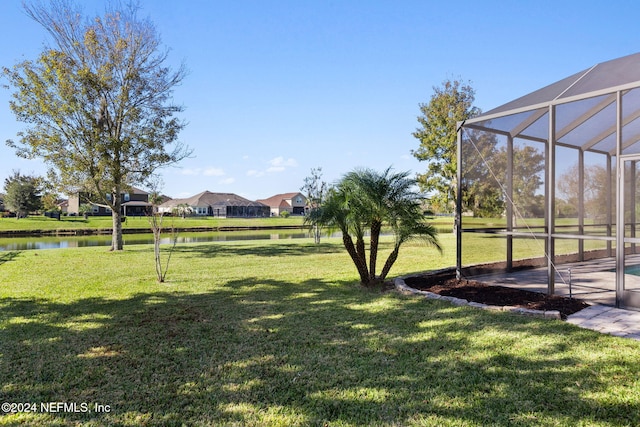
46	242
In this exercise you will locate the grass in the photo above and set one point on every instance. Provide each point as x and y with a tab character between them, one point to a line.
104	222
278	333
443	224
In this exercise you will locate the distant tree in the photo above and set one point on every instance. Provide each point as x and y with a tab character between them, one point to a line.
155	198
595	189
50	197
481	193
451	103
314	189
50	202
527	181
361	203
85	209
183	210
98	103
22	194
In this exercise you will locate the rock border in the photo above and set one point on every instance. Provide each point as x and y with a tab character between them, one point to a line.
402	287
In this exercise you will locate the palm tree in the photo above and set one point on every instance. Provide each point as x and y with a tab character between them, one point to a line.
365	200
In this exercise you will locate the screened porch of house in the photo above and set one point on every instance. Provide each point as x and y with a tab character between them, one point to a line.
551	181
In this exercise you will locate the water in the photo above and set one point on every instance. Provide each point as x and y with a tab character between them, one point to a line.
60	242
634	270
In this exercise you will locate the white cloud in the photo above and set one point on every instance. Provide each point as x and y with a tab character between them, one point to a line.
276	165
281	162
228	181
190	171
210	171
276	169
213	172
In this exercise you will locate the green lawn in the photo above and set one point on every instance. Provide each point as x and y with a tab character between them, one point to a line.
278	333
36	222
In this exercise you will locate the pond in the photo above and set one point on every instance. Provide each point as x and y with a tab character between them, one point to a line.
59	242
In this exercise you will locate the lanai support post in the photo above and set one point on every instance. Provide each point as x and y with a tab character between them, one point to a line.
632	203
619	203
509	203
610	193
458	215
550	165
581	204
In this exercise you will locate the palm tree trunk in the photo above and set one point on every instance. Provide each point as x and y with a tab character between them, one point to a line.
391	259
361	252
355	257
376	226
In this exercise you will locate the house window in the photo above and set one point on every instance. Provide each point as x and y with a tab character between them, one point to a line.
299	199
127	197
109	196
95	209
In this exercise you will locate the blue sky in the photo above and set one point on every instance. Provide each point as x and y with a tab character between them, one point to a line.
276	88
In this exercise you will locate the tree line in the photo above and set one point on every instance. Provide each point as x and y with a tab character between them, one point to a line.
24	194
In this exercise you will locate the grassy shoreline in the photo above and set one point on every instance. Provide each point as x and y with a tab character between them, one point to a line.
40	225
97	225
279	333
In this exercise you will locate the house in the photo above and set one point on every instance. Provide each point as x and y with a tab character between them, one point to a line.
217	204
135	202
1	202
63	206
294	203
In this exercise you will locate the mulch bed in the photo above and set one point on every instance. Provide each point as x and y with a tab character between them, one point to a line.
472	290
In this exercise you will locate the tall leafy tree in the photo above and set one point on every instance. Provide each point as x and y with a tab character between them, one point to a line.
527	181
22	193
361	203
483	162
98	103
451	103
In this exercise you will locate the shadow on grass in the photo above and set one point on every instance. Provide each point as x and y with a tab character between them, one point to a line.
263	352
8	256
273	250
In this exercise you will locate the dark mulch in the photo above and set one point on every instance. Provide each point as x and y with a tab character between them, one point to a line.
472	290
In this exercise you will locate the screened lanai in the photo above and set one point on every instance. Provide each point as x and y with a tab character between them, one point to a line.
551	180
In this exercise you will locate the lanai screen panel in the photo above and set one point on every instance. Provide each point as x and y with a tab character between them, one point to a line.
483	174
503	181
553	177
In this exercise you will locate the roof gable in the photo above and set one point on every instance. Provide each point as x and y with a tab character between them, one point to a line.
280	200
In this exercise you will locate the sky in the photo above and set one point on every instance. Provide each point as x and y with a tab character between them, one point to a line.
276	88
